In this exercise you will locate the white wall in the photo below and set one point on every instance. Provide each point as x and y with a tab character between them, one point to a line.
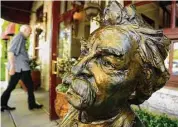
164	100
44	44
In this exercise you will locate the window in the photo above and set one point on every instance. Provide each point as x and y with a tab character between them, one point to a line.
175	59
171	63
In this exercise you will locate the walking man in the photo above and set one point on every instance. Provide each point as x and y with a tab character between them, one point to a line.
18	67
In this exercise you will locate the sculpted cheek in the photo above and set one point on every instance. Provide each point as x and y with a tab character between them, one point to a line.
133	72
101	78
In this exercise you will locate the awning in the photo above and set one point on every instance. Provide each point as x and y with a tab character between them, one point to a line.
4	36
10	30
16	11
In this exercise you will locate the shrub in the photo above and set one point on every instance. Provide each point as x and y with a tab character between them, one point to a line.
153	120
34	65
62	88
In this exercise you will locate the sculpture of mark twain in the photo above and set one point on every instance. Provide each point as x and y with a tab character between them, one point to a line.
123	65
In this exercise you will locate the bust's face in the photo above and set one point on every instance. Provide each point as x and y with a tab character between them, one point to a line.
106	76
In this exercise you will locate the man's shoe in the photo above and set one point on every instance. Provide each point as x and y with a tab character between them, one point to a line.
37	106
7	108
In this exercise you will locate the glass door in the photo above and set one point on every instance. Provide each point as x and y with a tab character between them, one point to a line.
65	44
61	39
175	59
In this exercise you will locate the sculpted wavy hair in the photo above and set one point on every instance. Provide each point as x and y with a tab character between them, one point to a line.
152	47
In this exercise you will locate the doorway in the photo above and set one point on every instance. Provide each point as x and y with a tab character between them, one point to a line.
65	43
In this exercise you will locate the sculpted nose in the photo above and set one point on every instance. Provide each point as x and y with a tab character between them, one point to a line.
81	67
81	70
77	69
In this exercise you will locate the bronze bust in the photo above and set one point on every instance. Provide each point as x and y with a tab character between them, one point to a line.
122	64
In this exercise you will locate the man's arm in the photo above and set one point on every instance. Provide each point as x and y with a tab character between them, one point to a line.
13	51
11	59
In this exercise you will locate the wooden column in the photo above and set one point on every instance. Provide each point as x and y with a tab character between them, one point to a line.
171	57
173	14
54	42
173	24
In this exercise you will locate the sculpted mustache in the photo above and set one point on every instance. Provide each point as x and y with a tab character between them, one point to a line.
85	90
118	77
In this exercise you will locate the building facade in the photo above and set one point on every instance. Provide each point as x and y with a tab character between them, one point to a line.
58	26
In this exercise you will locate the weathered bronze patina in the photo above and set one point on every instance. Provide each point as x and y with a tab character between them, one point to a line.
122	64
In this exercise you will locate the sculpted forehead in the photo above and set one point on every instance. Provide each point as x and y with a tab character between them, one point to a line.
110	37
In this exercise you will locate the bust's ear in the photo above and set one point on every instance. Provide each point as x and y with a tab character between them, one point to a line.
144	88
152	53
148	73
151	80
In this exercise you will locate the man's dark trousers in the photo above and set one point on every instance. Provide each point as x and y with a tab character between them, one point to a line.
25	76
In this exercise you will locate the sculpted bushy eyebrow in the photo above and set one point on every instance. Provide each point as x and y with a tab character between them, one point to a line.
110	51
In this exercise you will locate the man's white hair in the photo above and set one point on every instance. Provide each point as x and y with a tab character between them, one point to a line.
24	27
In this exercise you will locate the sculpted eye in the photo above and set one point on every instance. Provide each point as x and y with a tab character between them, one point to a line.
107	63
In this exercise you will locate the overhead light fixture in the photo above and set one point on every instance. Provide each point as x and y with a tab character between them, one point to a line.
78	16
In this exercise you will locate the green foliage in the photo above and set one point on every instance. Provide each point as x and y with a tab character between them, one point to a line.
62	88
33	64
152	120
27	44
3	49
64	65
4	26
3	69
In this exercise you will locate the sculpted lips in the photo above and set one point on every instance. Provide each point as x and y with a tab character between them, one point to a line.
80	94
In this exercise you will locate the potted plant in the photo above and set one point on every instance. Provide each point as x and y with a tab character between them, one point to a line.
61	103
35	74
